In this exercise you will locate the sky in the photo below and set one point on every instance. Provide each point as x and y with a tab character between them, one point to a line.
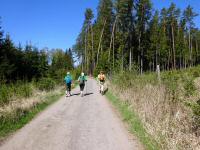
57	23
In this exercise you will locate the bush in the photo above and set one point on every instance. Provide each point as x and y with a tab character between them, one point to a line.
46	84
76	73
171	81
13	91
21	89
189	86
196	74
4	94
196	115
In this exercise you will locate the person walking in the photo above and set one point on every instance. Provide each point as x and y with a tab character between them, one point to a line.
68	84
82	79
101	77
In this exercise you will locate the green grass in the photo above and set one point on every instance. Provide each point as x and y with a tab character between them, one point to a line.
135	125
11	125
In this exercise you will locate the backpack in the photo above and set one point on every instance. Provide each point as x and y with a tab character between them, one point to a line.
82	79
102	77
68	79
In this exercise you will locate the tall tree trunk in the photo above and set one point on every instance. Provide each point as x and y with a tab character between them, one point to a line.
82	57
111	40
173	47
85	55
93	59
180	62
197	51
100	42
141	55
153	65
122	63
156	56
185	62
191	51
130	59
113	52
168	62
190	48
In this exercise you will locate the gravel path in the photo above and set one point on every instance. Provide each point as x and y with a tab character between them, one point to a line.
75	123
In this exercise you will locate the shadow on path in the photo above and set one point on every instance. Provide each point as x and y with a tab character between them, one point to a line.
88	94
75	94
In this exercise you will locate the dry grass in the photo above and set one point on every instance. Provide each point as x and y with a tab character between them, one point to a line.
12	109
169	121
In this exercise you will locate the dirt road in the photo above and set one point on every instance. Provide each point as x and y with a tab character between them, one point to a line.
75	123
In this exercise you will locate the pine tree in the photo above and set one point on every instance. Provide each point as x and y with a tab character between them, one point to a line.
103	29
173	15
1	33
163	44
124	9
7	59
153	52
143	15
189	15
84	43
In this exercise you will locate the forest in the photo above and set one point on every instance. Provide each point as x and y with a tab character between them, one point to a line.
127	39
131	35
31	63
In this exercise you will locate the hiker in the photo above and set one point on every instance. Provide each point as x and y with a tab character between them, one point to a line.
101	78
82	79
68	83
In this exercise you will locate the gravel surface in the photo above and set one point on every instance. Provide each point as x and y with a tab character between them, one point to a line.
75	123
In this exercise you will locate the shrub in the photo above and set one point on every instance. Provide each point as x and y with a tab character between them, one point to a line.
25	90
171	80
189	86
196	115
46	84
4	94
196	74
17	90
76	73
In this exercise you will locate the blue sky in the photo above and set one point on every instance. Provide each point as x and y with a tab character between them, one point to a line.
57	23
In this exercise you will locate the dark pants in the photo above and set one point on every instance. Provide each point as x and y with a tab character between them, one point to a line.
82	86
68	87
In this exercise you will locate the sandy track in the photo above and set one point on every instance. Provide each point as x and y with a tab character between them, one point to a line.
75	123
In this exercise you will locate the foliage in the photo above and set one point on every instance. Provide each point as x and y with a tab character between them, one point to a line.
189	86
195	106
124	33
46	84
14	91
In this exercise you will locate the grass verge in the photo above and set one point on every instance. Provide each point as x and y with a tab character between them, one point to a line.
134	123
11	125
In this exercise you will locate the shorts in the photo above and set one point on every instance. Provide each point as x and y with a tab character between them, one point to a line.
68	87
101	82
82	86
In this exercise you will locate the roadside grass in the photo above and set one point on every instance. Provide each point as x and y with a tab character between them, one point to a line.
168	110
134	123
10	125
